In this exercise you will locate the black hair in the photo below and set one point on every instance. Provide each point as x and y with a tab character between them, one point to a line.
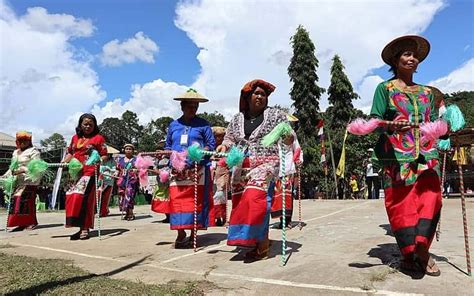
90	116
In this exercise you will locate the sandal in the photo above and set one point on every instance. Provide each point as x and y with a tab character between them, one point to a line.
84	235
256	254
31	227
429	264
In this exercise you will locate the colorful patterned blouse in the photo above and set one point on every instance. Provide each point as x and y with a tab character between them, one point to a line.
408	153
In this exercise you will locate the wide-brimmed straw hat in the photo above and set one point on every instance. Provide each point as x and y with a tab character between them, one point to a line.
128	145
397	45
218	130
191	95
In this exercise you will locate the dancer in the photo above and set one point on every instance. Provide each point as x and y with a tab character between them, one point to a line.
22	212
108	170
80	198
409	161
183	132
253	183
128	182
221	180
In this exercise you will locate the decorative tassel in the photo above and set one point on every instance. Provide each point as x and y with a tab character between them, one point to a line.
164	176
143	162
444	145
454	117
195	152
14	165
7	184
279	131
362	127
74	167
234	157
178	160
36	169
143	177
434	130
93	158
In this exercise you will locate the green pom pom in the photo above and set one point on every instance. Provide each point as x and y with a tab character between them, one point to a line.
7	185
281	130
94	158
36	169
454	117
234	157
195	153
74	167
444	145
14	164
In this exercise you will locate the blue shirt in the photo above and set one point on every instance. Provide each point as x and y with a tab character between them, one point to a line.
198	131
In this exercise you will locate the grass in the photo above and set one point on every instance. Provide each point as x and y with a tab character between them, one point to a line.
30	276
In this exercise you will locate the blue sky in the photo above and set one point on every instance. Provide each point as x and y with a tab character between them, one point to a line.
109	56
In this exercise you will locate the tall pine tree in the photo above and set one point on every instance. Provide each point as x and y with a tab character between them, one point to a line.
305	94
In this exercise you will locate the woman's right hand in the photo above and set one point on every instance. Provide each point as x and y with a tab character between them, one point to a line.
221	148
399	128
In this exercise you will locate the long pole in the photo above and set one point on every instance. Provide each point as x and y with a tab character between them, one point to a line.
443	178
463	208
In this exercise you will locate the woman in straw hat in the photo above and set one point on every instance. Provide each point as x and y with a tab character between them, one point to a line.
182	133
80	198
128	181
22	205
409	161
253	184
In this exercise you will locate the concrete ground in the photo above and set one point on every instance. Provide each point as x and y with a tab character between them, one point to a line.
345	248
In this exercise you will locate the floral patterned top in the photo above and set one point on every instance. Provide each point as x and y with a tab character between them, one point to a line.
407	154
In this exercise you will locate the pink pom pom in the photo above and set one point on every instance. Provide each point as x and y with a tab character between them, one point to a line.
362	127
178	160
164	176
433	130
143	162
143	177
296	155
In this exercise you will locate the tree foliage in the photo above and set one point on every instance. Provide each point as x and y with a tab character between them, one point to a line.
214	119
305	94
154	132
464	100
55	141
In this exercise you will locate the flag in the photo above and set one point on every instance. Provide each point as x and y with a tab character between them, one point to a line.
320	127
341	167
461	158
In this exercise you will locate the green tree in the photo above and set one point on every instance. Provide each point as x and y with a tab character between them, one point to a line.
55	141
132	128
113	131
305	94
214	119
154	132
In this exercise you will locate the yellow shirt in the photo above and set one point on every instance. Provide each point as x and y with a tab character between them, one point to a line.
354	186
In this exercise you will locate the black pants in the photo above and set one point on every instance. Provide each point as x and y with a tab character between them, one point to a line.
376	186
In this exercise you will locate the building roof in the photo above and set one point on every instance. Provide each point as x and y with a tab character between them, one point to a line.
7	140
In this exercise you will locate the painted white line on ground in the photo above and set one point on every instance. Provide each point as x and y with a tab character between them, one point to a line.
224	245
336	212
194	253
229	276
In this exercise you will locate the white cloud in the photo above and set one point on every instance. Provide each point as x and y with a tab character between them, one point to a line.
243	40
41	81
459	79
138	48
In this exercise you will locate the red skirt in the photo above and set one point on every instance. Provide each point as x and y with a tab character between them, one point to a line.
414	211
23	208
105	200
181	192
80	203
277	202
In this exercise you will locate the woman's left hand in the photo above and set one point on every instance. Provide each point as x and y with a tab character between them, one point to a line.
289	140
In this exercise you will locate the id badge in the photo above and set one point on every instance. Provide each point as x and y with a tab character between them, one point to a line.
184	140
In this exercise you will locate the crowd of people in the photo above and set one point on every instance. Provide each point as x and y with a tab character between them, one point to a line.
196	196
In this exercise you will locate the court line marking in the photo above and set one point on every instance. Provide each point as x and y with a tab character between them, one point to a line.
224	245
229	276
